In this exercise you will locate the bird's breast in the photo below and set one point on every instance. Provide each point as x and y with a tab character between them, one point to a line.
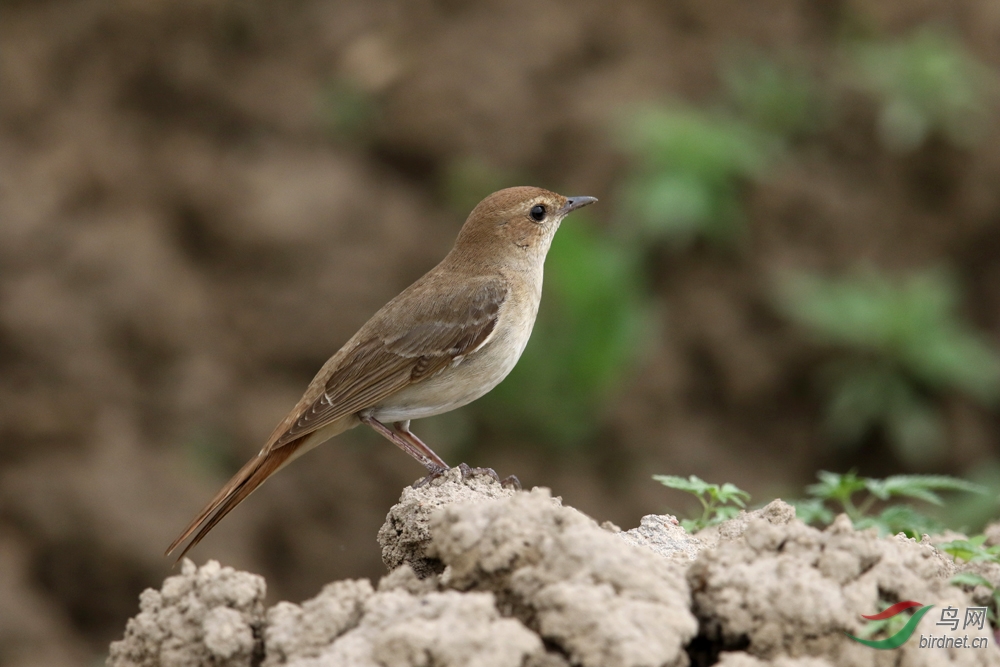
470	377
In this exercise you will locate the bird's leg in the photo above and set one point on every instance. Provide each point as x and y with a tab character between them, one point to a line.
434	465
403	430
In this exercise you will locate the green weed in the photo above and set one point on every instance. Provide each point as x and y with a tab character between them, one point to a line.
972	550
836	493
902	343
718	503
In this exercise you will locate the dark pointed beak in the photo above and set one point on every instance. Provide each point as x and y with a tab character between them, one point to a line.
573	203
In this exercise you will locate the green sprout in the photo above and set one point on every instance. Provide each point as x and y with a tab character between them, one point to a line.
691	168
901	343
839	491
971	550
974	550
718	503
971	580
926	83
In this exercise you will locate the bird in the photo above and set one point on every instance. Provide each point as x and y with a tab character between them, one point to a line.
444	341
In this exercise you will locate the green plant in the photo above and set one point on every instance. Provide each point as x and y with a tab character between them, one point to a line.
718	502
902	342
926	83
690	168
971	579
971	550
589	333
839	491
781	99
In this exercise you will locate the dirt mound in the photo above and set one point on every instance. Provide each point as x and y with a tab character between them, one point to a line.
517	578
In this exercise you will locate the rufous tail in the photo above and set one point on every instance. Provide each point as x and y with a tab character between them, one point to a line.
243	483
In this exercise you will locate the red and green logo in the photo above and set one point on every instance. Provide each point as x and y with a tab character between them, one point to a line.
898	639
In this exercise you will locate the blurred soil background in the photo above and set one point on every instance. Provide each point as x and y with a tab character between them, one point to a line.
794	265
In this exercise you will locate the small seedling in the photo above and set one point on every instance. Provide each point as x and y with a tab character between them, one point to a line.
718	503
972	579
971	550
901	344
840	490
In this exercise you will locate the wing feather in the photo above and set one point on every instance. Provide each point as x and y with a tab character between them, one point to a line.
379	366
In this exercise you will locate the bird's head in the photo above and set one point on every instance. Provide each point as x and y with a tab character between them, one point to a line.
516	224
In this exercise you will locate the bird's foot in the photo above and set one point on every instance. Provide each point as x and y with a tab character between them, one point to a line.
468	472
511	482
432	474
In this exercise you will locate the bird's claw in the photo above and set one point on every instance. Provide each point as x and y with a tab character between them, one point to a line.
468	472
432	474
511	482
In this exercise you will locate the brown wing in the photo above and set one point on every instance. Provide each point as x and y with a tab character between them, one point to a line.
417	343
414	350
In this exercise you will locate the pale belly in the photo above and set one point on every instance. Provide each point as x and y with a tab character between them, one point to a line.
457	385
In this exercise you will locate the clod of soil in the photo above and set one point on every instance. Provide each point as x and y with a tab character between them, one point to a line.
485	576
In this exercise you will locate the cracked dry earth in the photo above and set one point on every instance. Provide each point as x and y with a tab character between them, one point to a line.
484	576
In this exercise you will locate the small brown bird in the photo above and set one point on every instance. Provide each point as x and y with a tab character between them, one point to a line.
446	340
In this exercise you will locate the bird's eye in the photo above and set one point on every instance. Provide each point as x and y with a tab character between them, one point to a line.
537	213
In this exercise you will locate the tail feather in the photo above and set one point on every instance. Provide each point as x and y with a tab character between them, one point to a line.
234	492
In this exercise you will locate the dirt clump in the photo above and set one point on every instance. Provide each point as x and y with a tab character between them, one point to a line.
493	577
787	589
210	615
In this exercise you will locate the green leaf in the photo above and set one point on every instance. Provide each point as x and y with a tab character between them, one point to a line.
833	486
921	487
718	502
900	340
812	511
729	493
971	579
691	484
897	519
972	549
